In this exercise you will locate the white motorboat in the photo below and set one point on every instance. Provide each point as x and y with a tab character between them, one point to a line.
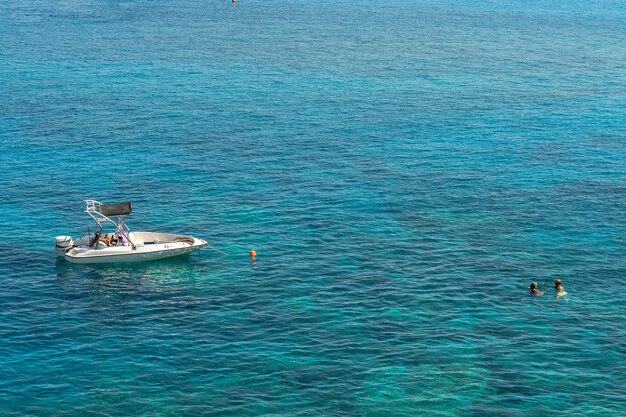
121	245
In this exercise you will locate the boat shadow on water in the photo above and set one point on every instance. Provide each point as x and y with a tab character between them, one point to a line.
169	271
127	294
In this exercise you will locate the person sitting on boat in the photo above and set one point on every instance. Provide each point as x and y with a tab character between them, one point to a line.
94	239
98	238
533	289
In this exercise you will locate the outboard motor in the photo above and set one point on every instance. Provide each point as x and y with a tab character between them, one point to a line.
62	244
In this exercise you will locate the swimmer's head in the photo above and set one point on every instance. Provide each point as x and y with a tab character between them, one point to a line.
533	285
558	282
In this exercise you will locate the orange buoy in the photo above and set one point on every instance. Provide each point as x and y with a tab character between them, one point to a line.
252	253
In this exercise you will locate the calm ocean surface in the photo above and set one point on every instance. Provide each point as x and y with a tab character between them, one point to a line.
403	169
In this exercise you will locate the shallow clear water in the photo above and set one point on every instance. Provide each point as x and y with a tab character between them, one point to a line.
403	171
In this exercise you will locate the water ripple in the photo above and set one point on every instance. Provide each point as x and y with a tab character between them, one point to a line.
404	171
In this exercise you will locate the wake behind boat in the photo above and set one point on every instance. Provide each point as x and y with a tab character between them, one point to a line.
121	245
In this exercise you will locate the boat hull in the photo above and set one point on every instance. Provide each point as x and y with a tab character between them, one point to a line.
144	253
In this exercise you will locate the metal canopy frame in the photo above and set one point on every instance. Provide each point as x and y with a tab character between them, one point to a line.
93	210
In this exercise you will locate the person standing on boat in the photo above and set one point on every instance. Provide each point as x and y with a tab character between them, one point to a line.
121	234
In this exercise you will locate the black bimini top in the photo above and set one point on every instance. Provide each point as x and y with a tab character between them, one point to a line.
119	209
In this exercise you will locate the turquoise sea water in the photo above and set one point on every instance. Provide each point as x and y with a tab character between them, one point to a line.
403	169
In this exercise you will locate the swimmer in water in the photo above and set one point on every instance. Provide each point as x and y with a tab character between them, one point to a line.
558	287
533	289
